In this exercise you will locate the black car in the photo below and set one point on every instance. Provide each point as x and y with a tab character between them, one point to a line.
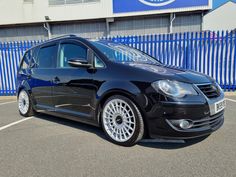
122	89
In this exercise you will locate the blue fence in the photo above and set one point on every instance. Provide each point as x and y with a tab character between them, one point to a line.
10	56
212	53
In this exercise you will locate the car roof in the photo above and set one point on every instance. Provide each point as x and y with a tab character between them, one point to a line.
70	36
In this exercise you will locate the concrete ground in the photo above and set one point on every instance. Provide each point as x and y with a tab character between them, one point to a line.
46	146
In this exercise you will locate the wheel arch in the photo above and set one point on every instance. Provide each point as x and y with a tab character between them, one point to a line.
126	94
23	86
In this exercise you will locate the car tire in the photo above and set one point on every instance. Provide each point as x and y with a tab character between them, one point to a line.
25	104
122	121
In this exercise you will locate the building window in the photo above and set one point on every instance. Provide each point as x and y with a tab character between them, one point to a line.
65	2
28	1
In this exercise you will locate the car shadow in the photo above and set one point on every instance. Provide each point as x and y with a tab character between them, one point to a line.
99	132
73	124
171	145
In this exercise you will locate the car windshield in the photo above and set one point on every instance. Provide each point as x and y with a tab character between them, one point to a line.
121	53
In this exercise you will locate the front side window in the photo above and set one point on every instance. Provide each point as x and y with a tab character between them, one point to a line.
47	56
70	51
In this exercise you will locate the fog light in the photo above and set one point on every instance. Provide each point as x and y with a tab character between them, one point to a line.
185	124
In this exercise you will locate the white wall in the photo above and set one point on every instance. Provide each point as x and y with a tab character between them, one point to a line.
223	18
17	12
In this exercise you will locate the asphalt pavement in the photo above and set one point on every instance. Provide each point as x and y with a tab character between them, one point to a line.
46	146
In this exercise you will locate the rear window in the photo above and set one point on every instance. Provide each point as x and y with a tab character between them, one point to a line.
47	57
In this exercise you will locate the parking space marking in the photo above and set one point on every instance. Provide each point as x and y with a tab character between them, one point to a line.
14	123
7	103
231	100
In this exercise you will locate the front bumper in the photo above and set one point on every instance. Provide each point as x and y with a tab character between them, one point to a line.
205	120
211	124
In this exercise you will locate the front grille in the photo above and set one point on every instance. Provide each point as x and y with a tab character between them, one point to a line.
209	122
210	90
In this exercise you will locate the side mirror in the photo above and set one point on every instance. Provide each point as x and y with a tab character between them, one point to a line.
79	63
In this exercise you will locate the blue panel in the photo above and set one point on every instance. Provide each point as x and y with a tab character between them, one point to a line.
222	58
200	55
209	53
217	55
122	6
213	56
230	60
180	49
226	59
234	68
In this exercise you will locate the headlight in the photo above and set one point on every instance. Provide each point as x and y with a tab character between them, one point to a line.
174	88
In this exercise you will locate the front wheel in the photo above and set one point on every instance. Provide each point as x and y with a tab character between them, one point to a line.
25	104
122	121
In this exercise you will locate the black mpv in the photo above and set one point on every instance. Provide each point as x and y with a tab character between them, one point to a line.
122	89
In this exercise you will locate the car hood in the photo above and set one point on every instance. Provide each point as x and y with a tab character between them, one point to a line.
173	73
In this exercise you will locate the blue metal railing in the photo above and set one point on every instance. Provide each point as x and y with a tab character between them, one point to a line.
212	53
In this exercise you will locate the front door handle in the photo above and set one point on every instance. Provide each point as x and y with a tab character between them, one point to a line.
56	80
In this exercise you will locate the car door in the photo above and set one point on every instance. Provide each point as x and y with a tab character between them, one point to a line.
42	75
73	89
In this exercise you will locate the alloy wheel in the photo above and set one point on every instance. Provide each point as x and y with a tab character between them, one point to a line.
119	120
23	102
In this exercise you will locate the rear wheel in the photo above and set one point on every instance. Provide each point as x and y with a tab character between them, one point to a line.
122	121
25	104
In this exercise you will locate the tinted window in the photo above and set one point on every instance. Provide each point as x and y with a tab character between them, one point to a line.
71	51
26	59
122	53
47	57
98	63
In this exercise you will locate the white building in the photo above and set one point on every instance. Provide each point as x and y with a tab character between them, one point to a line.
222	18
38	19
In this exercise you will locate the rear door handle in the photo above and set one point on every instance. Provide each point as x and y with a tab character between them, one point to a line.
56	80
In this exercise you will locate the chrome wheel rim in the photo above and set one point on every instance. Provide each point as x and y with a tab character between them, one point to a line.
119	120
23	102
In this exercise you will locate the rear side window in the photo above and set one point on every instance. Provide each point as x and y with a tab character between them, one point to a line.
71	51
47	57
26	60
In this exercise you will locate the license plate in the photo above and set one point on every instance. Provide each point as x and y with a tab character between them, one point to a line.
219	106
